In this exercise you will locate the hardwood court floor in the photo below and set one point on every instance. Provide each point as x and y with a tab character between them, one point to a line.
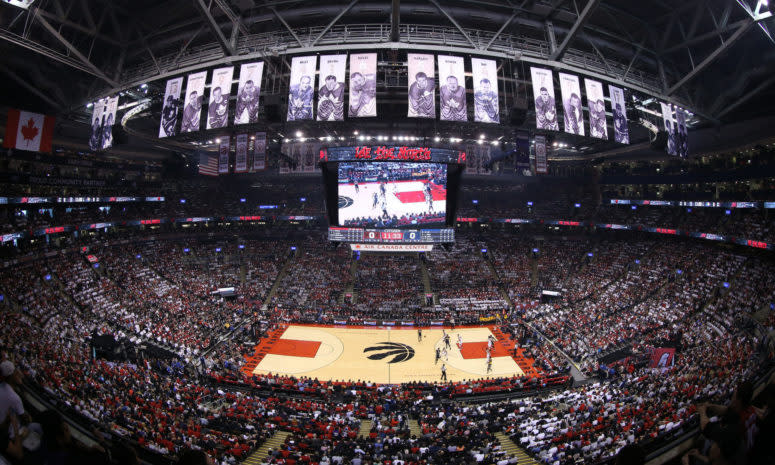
342	353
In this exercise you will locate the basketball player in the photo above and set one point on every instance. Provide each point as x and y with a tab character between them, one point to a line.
489	364
355	184
446	341
375	198
382	189
459	341
419	330
438	356
445	354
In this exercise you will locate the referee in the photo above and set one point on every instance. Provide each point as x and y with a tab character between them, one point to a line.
443	372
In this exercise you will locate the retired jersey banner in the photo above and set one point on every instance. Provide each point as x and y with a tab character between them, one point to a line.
571	104
192	108
220	90
301	93
331	87
546	106
170	108
682	133
223	156
452	89
598	126
28	131
248	91
541	163
422	85
259	152
363	85
619	110
669	125
241	154
486	108
95	135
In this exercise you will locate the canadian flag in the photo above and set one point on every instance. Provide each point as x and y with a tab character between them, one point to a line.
28	131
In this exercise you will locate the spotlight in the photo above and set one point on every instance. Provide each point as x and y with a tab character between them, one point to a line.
218	140
437	139
299	134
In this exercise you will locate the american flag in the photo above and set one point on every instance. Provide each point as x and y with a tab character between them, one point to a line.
208	164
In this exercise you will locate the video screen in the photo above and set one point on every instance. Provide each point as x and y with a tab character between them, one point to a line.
392	194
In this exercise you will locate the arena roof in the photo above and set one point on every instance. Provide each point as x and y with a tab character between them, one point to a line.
713	57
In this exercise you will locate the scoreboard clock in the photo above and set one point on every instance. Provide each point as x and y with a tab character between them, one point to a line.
391	236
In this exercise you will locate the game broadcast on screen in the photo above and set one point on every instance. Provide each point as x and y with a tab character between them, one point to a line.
392	194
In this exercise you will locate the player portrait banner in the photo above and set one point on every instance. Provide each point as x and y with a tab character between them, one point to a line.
248	91
170	108
28	131
220	90
95	136
452	89
223	156
422	101
571	104
331	87
241	154
109	119
302	83
363	85
669	126
619	110
486	108
598	126
682	133
546	106
259	152
540	148
192	106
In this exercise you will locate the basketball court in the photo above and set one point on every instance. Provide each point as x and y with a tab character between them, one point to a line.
401	198
384	355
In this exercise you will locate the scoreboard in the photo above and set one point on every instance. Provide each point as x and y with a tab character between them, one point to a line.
391	236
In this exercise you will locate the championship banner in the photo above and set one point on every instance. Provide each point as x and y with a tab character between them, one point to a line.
541	164
682	134
363	85
241	154
192	109
331	88
95	136
220	90
571	104
543	92
223	156
248	91
284	162
619	110
307	157
422	102
669	125
452	90
28	131
486	109
598	126
259	152
301	93
170	108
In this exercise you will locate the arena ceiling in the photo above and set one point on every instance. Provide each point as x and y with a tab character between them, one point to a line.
714	57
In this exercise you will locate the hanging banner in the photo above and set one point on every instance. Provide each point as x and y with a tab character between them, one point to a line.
682	133
486	108
422	102
619	109
259	152
301	93
248	91
95	136
669	125
170	108
220	90
541	163
571	104
308	157
28	131
543	92
108	119
452	90
241	154
331	87
192	109
598	126
363	85
223	156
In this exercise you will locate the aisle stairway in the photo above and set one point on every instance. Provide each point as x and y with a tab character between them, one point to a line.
494	272
274	443
414	428
513	450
